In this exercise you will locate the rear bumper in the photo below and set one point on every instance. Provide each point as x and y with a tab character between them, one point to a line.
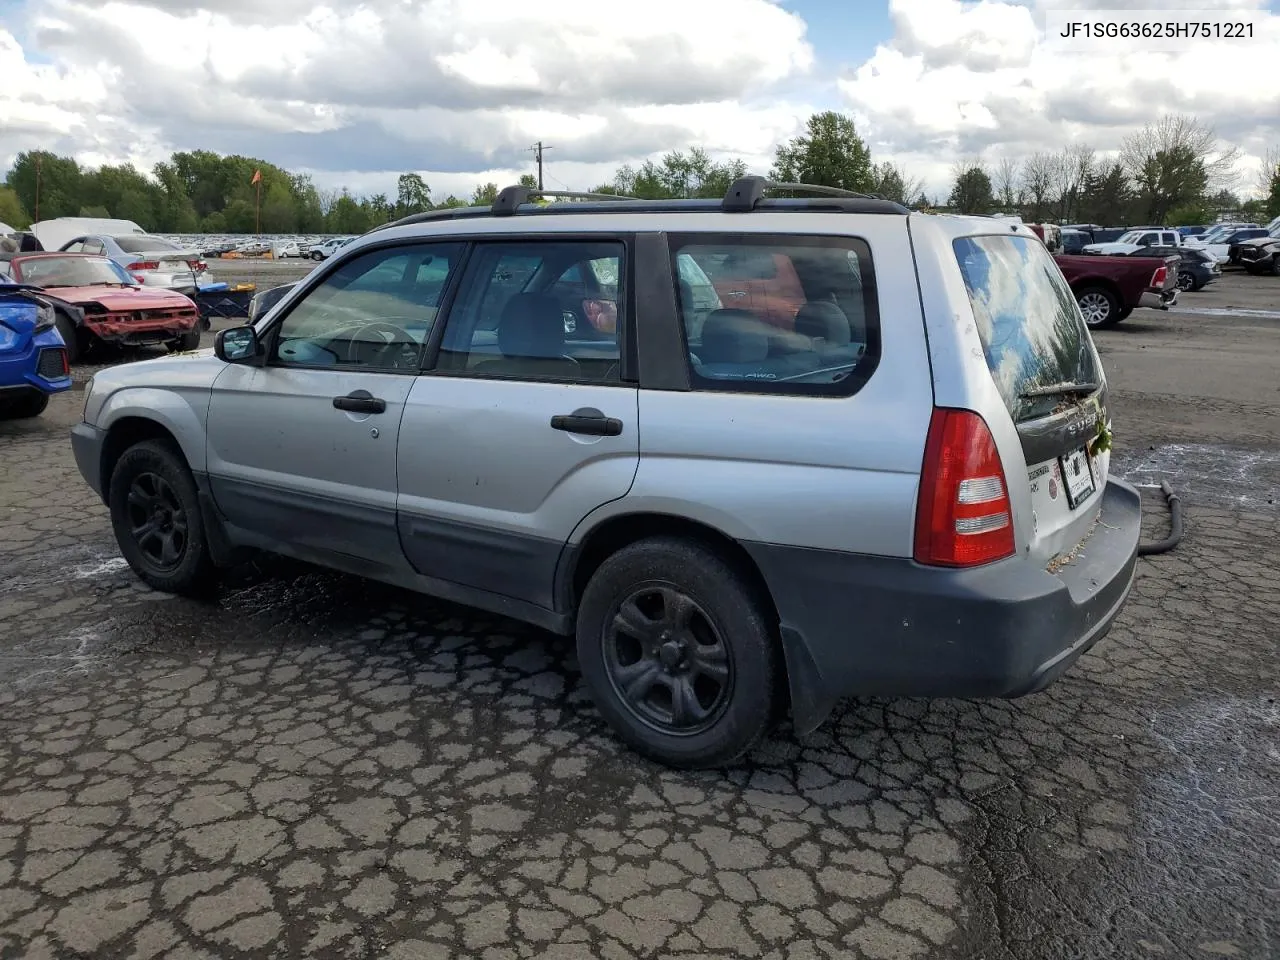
855	625
1158	299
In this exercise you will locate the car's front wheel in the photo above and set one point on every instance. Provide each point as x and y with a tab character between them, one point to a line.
155	512
678	653
1099	307
188	341
317	255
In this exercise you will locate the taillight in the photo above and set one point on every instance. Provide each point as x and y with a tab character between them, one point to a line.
963	517
1160	276
197	265
144	265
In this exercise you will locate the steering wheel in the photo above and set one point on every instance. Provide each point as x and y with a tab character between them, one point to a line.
397	339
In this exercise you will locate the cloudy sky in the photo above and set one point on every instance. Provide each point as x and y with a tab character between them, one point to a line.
356	93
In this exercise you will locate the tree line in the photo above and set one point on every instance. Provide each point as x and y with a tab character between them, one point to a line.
1173	170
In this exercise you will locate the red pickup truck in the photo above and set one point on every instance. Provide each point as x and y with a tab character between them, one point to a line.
1108	289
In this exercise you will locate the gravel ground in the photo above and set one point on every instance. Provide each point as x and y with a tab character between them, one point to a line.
310	765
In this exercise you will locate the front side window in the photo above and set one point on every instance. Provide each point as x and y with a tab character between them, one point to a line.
540	310
375	310
792	315
1031	330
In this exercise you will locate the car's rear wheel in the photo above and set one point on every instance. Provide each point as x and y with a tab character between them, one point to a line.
317	255
1275	265
155	512
1186	281
678	653
1099	307
30	404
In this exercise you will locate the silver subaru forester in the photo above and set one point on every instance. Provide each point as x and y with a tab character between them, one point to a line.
757	453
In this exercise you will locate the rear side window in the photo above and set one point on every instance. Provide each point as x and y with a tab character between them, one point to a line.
1031	330
787	315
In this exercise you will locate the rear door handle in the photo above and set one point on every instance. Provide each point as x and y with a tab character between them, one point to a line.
360	401
587	420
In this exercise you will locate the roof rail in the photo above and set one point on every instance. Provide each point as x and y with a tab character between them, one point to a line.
746	192
511	199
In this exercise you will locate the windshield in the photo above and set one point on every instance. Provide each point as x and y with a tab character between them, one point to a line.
1032	333
143	244
73	271
1130	237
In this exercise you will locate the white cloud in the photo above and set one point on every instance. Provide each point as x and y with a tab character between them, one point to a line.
963	78
459	89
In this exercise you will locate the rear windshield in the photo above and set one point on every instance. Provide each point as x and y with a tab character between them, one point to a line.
144	244
1031	330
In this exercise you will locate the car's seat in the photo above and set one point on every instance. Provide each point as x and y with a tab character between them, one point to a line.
531	338
735	346
829	330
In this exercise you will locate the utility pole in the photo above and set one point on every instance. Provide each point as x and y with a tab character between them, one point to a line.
38	157
537	149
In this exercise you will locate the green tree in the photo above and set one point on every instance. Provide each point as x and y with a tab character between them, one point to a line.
972	192
378	209
1191	213
279	211
484	195
176	212
1173	162
99	213
59	181
829	153
1273	196
450	202
412	195
1106	197
12	211
347	215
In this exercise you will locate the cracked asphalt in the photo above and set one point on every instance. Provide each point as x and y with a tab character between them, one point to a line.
312	766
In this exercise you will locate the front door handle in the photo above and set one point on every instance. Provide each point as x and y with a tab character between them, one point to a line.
587	420
360	401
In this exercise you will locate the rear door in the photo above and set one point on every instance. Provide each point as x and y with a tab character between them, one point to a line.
525	424
1046	369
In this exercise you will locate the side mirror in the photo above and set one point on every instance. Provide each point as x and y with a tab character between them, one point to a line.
236	344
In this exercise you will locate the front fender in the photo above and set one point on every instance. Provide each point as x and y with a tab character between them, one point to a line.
183	412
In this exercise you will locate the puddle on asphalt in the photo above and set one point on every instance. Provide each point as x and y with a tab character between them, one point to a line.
113	565
1207	473
47	658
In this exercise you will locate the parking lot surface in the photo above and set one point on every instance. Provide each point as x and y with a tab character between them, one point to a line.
310	765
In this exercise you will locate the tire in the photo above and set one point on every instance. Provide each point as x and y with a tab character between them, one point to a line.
30	404
71	336
1186	282
164	495
1275	265
732	679
188	341
1100	307
316	255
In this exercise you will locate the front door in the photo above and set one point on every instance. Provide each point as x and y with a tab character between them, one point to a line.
302	450
526	424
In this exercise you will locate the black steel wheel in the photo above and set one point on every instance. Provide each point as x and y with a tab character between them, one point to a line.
667	661
155	512
678	652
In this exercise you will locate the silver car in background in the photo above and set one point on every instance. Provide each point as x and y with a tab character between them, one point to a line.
152	261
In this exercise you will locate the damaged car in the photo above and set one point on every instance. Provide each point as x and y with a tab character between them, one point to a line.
97	302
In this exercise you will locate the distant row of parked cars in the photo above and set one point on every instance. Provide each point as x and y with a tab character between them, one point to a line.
309	248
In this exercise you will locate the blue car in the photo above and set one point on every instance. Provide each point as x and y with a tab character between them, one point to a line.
33	356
